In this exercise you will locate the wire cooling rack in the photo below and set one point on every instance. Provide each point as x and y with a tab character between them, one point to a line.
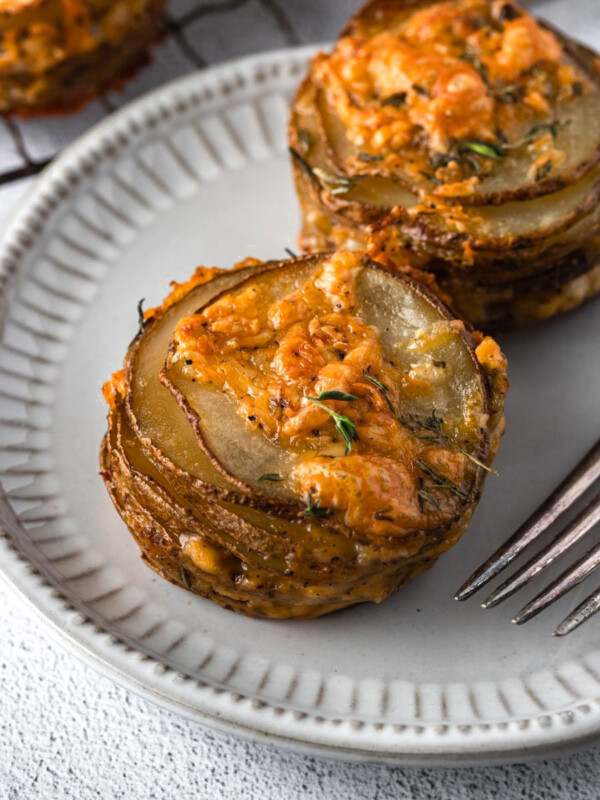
196	34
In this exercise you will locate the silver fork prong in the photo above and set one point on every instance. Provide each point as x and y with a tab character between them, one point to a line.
557	547
564	583
574	485
585	610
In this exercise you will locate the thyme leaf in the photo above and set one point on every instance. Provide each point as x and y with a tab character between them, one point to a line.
271	477
384	514
334	184
440	481
382	388
483	149
368	158
432	424
344	426
140	311
478	462
186	578
425	497
334	394
481	68
290	253
302	163
398	99
314	509
430	177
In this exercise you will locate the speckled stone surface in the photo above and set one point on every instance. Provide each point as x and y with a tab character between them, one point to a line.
66	732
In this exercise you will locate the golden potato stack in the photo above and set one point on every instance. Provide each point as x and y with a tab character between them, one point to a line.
214	503
57	54
459	137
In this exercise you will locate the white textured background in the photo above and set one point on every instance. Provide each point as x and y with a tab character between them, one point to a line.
66	732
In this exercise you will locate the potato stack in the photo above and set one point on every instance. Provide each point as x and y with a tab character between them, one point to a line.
292	438
57	54
459	137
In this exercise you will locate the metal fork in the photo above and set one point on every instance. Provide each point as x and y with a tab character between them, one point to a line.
573	487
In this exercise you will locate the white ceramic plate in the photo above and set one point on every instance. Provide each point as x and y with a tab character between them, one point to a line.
198	172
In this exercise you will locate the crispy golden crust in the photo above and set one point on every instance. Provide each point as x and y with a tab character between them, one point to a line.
58	54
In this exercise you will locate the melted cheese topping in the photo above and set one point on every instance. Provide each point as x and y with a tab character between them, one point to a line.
455	71
271	355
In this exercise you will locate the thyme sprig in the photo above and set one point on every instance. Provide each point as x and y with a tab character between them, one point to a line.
369	158
431	424
384	514
141	319
498	150
397	100
344	425
425	496
270	477
302	163
334	184
382	388
440	481
314	509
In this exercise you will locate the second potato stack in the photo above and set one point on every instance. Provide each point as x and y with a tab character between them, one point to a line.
455	137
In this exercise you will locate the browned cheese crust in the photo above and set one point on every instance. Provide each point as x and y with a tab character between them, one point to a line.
452	136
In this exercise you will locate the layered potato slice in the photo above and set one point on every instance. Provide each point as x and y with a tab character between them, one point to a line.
57	54
462	128
292	438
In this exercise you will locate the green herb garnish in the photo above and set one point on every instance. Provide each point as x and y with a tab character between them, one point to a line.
334	394
290	253
481	68
334	184
140	311
440	481
425	497
271	477
344	426
397	100
501	149
384	514
369	157
478	462
186	578
313	508
382	388
302	163
543	171
482	149
432	424
430	177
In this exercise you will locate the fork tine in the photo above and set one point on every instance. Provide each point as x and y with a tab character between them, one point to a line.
585	610
570	578
559	545
574	485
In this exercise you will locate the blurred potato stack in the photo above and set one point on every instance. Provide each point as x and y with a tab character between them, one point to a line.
462	138
56	54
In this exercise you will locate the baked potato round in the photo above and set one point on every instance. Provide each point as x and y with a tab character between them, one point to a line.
291	438
461	128
57	54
